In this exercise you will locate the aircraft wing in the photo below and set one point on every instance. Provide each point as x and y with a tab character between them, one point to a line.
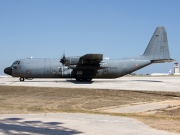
88	62
90	59
87	66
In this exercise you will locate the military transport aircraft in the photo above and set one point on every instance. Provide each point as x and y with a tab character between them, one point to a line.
89	66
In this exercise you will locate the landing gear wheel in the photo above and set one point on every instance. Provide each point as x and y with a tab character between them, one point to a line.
79	79
21	79
88	79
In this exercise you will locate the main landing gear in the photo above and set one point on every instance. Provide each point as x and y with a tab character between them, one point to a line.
80	79
21	79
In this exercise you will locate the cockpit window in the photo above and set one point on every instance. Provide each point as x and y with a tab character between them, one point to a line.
16	62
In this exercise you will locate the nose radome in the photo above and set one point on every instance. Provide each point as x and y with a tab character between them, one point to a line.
8	70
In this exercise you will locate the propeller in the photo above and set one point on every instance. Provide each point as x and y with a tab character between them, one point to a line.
63	59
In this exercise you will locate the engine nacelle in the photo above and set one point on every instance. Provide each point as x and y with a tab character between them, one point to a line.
71	61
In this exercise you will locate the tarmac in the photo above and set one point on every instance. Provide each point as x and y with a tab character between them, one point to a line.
148	108
89	124
160	83
70	124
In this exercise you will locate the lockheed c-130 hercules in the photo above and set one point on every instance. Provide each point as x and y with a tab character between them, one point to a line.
89	66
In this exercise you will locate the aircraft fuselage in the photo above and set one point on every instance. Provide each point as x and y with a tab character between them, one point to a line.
52	68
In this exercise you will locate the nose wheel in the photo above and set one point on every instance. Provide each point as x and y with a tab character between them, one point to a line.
21	79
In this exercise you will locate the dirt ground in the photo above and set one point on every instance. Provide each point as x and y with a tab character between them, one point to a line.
19	99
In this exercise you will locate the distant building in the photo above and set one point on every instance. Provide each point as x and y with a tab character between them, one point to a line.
176	69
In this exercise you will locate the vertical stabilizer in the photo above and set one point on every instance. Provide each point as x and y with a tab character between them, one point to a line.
157	49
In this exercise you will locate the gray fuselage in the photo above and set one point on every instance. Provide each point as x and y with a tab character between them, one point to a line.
52	68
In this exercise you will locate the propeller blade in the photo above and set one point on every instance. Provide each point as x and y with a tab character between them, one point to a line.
63	59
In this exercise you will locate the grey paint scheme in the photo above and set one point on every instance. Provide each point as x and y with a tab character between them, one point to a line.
157	51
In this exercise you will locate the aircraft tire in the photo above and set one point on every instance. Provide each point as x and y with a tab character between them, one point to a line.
88	79
79	79
21	79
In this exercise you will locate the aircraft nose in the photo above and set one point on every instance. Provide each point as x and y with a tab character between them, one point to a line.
8	70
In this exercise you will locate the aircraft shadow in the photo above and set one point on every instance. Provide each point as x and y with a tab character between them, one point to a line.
39	81
18	125
34	81
81	82
146	81
58	81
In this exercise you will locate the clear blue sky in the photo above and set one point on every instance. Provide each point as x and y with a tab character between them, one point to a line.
115	28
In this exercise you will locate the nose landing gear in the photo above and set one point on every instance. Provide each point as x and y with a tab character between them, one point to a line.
21	79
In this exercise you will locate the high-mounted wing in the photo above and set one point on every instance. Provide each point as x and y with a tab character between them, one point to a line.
89	62
91	59
87	66
84	67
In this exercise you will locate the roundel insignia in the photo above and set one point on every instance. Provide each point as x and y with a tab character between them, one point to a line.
136	65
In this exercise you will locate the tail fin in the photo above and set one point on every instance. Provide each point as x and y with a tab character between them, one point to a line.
157	49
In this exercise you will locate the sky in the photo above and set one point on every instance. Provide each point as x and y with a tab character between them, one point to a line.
114	28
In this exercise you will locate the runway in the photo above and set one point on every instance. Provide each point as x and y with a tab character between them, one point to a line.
163	83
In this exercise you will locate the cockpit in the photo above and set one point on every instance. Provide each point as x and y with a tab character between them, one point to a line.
16	63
